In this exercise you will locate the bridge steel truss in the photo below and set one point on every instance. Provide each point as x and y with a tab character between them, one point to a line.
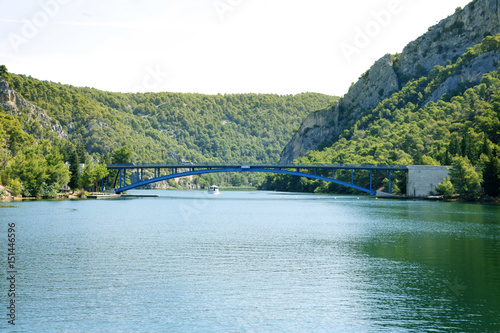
169	171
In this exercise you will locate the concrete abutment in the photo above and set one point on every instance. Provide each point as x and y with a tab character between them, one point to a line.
423	179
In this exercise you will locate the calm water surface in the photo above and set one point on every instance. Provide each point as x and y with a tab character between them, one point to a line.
253	262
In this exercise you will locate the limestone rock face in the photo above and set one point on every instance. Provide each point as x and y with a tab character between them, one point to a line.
375	85
451	37
378	83
485	63
16	105
317	125
447	40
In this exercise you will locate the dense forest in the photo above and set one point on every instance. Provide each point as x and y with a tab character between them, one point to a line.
28	166
152	127
462	129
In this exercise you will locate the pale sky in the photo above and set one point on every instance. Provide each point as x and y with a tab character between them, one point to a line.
209	46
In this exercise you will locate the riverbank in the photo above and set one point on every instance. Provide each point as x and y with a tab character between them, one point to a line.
7	196
118	196
11	198
98	196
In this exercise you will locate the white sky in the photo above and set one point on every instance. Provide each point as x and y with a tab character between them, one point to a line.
209	46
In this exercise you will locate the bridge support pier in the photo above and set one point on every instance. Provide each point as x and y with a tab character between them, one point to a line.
371	180
390	182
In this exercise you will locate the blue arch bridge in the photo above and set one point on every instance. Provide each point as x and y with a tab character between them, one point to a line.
145	174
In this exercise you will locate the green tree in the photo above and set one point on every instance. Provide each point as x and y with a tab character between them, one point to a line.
57	171
3	70
122	155
491	176
93	174
15	187
40	168
5	153
30	168
446	188
465	179
74	168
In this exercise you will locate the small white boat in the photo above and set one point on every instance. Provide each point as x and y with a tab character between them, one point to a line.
213	189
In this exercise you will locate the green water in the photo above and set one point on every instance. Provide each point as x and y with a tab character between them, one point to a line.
253	262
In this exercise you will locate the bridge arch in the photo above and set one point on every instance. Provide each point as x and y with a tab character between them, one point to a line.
281	170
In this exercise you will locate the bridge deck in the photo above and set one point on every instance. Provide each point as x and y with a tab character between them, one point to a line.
256	166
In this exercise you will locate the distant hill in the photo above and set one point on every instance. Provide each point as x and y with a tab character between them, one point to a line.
158	127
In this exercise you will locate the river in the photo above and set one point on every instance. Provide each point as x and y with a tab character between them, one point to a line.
252	262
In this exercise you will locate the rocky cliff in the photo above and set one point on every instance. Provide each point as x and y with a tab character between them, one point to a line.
16	105
451	37
445	41
317	126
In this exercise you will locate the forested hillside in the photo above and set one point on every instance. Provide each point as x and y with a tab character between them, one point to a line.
444	42
28	166
157	127
194	127
461	129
